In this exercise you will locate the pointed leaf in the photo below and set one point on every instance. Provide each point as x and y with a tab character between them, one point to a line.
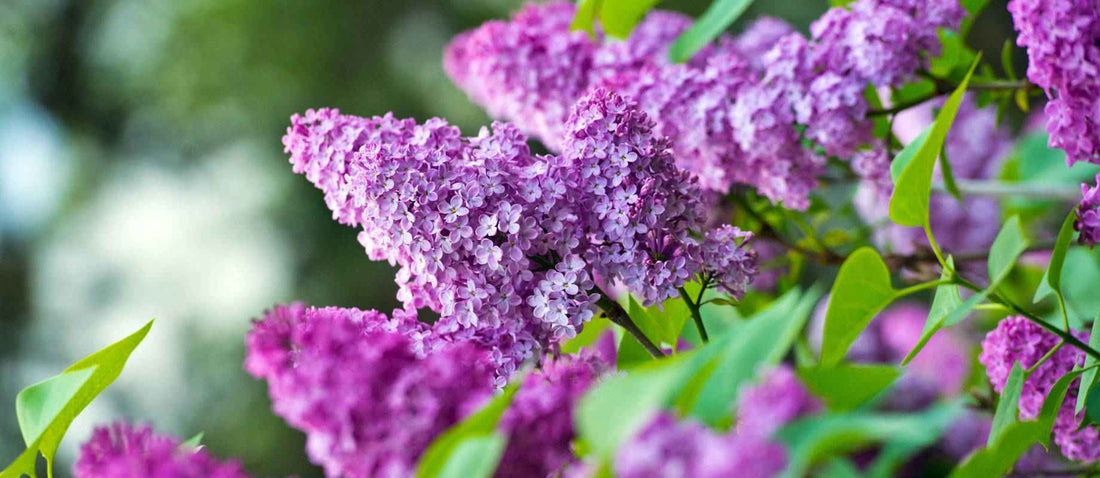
618	17
862	289
946	300
585	17
1008	407
193	442
49	422
847	386
1052	279
1088	379
720	15
475	457
436	459
1007	247
909	203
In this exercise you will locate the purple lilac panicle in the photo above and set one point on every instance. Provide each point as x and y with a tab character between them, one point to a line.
121	450
1088	214
539	423
1016	339
778	399
368	397
1062	38
670	448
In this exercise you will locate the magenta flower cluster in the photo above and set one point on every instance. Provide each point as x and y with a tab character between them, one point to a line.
1016	339
504	243
778	399
122	450
1088	214
735	114
370	393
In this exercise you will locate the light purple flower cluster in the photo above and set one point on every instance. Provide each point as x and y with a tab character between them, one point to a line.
976	148
1062	38
729	265
778	399
539	423
733	112
370	393
1088	214
1016	339
668	447
121	450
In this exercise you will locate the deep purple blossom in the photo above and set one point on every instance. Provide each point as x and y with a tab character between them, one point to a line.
121	450
1088	214
1016	339
368	396
670	448
539	423
1062	38
777	400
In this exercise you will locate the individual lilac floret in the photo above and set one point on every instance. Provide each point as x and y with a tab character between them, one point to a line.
1016	339
355	383
1088	214
1062	38
636	209
777	400
727	263
670	448
474	224
539	423
121	450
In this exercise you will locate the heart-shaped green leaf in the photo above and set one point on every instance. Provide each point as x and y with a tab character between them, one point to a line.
862	289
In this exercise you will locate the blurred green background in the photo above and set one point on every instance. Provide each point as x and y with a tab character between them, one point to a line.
142	175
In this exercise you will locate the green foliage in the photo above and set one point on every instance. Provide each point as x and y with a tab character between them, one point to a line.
585	19
909	202
617	17
1086	390
588	336
847	386
998	459
45	410
1006	249
1052	278
862	289
630	353
1007	408
193	442
1082	267
452	454
946	300
720	15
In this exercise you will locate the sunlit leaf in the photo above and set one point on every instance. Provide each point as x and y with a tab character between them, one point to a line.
719	16
49	407
862	289
193	442
1088	379
588	336
475	457
909	202
1052	279
1008	407
618	17
946	300
630	353
477	427
847	386
585	18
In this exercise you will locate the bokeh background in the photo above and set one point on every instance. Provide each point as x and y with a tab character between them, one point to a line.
142	176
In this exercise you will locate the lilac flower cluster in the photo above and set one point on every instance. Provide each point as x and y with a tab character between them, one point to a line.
732	113
1088	214
668	447
1062	38
778	399
370	393
975	147
503	243
121	450
1016	339
539	423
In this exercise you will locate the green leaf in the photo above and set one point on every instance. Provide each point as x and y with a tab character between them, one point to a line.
649	324
973	9
1083	266
1008	406
475	457
1052	279
631	353
50	409
847	386
949	178
946	300
436	459
906	155
585	17
619	17
1092	411
193	442
909	202
1007	64
1006	248
720	15
588	336
1018	437
862	289
1088	379
762	341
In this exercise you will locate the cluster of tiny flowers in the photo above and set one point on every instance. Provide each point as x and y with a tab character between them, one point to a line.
1016	339
637	210
777	400
121	450
1062	38
1088	214
539	423
727	263
732	113
668	447
475	224
975	147
369	394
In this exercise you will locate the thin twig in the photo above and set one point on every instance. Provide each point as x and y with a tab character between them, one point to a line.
695	315
618	316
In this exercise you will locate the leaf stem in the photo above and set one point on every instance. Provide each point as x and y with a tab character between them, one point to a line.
922	286
695	315
1044	358
618	316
